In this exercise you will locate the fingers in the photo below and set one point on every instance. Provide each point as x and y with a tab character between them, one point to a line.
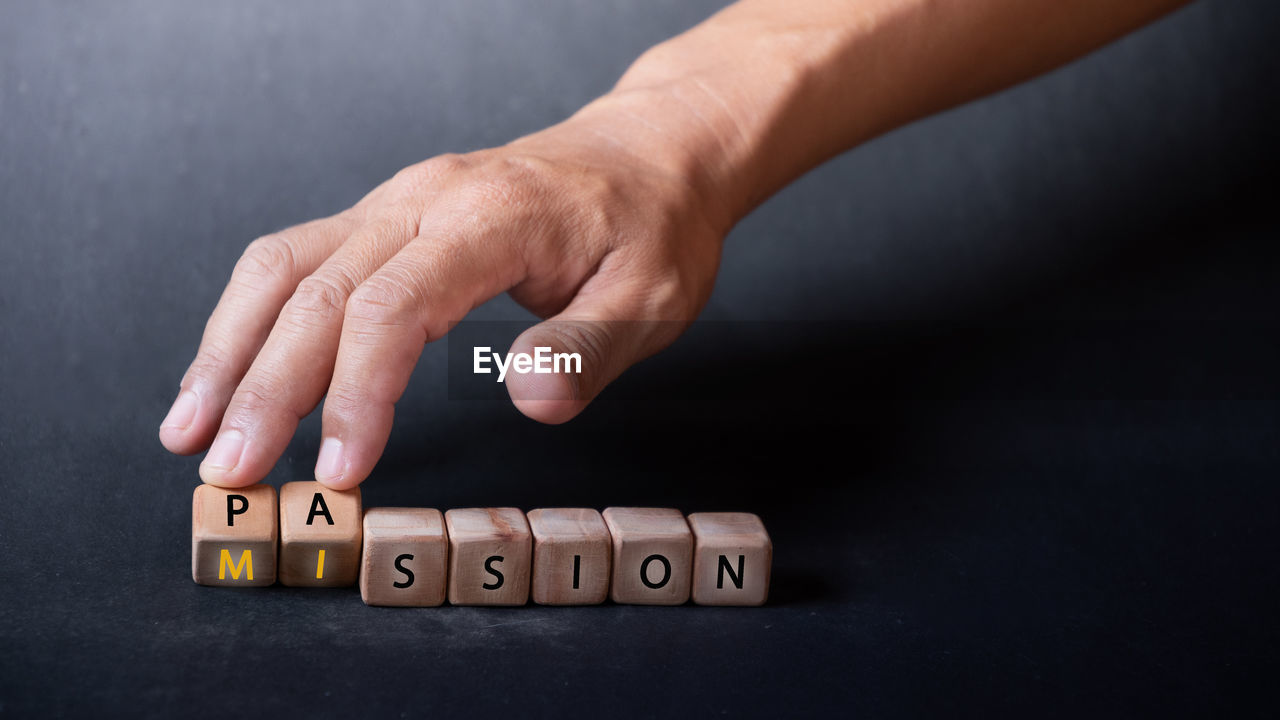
291	372
263	280
607	328
433	281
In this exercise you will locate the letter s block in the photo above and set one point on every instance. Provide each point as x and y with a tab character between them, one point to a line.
320	533
732	558
233	535
652	556
406	555
489	556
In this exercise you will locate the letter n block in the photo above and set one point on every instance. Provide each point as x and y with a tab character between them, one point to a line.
652	556
732	558
489	554
571	550
320	531
405	559
233	535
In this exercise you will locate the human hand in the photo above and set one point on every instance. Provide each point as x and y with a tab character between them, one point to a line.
598	229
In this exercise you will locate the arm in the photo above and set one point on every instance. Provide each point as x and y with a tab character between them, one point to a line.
609	225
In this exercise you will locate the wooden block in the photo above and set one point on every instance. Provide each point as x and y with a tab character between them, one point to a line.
652	555
233	535
571	549
732	558
405	560
320	532
489	555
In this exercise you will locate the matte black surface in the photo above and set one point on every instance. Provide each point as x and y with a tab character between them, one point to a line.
1039	476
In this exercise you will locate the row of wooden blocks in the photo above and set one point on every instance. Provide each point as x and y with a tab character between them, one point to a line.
314	536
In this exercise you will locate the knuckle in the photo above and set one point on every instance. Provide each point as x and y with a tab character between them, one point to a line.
211	361
590	339
317	299
252	397
269	259
379	301
668	297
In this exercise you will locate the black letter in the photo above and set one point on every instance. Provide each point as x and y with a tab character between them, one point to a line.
407	572
488	566
736	578
577	565
232	512
644	572
318	502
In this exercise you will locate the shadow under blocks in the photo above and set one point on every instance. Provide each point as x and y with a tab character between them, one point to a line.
313	536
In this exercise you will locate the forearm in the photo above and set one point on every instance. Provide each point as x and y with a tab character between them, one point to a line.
765	90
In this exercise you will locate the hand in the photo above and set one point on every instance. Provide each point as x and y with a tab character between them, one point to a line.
584	224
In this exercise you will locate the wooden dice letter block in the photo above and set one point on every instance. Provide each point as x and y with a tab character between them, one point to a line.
320	532
732	558
652	555
489	556
405	559
571	556
233	535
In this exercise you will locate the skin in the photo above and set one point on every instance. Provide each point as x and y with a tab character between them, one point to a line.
608	225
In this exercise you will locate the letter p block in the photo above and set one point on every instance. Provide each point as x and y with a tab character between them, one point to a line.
233	536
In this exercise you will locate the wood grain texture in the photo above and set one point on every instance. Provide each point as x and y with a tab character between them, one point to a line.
732	559
405	557
338	535
571	556
490	552
652	556
233	535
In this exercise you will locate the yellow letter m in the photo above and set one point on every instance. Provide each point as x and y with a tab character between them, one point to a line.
246	563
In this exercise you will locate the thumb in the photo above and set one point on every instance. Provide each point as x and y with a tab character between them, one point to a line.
585	347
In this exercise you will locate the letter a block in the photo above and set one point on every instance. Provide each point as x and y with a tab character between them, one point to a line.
652	555
732	557
571	550
405	558
320	531
233	535
489	553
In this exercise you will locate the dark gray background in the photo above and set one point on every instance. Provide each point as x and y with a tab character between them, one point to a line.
1038	474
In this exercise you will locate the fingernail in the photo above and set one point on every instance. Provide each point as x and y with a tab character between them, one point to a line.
182	412
225	453
330	465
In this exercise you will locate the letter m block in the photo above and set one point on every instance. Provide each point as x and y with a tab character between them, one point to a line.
233	535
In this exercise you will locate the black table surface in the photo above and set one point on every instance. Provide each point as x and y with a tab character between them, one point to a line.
1002	384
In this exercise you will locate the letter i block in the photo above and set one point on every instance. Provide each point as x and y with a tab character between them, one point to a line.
571	549
489	554
652	555
233	535
320	531
732	557
406	556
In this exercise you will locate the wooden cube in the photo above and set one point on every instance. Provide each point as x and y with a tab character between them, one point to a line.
320	532
405	559
489	555
233	535
652	555
571	549
732	558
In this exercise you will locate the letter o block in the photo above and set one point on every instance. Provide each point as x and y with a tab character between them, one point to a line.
405	559
652	556
489	556
571	554
320	533
233	535
732	559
